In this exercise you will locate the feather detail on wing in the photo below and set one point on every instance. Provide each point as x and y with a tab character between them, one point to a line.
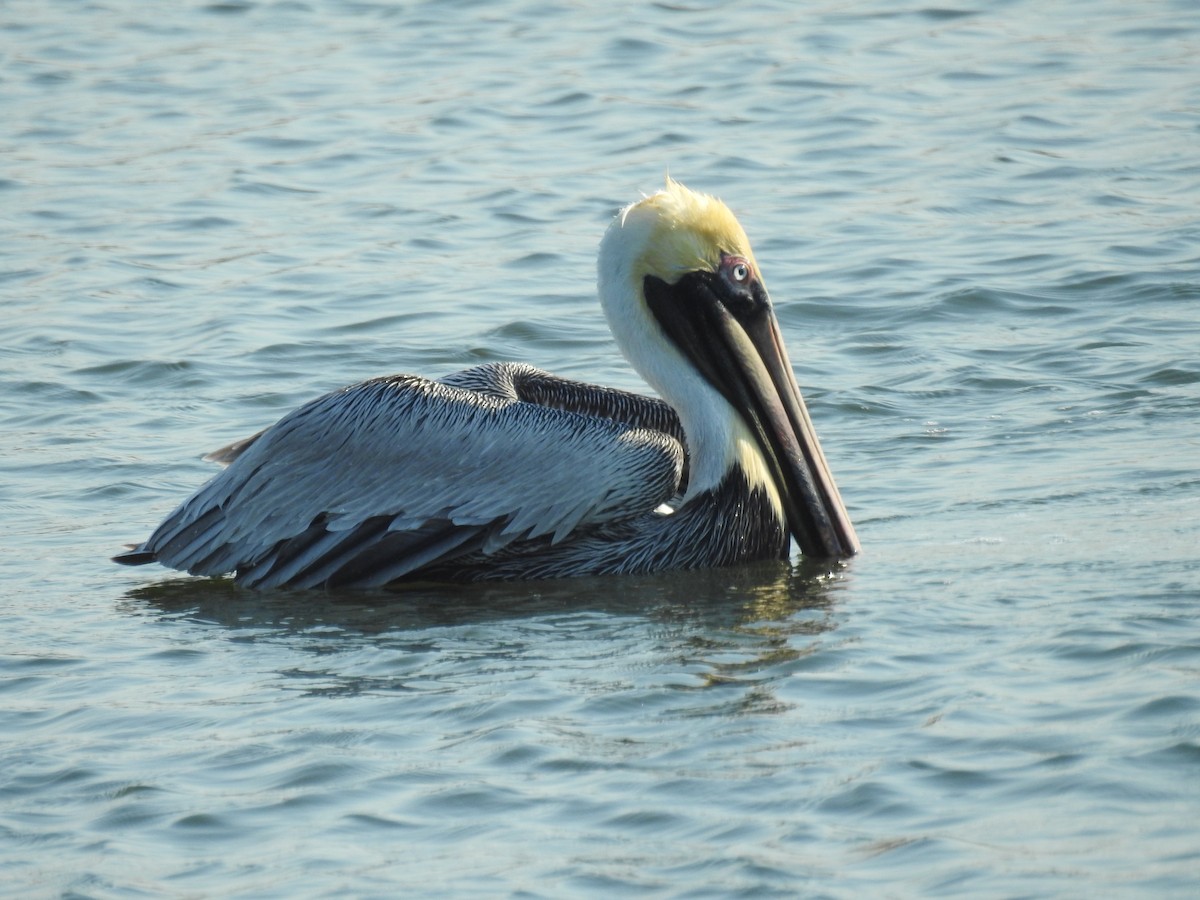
377	480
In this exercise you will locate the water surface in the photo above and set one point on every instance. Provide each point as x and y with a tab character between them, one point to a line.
979	225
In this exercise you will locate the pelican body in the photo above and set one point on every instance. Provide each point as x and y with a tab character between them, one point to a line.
506	472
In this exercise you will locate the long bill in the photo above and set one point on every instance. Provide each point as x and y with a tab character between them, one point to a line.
771	401
744	358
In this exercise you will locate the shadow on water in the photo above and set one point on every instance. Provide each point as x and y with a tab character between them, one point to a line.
773	593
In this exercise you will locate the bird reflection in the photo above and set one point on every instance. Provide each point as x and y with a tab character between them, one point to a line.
760	595
739	626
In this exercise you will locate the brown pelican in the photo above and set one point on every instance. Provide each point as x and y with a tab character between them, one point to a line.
506	472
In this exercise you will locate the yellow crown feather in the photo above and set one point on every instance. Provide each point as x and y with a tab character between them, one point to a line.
690	232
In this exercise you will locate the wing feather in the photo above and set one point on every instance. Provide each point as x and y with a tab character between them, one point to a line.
374	481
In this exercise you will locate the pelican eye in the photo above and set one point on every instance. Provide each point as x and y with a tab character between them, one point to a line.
736	271
739	288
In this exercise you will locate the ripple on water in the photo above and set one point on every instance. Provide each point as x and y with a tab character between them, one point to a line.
978	227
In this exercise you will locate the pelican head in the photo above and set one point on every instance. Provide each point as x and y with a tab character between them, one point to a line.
686	302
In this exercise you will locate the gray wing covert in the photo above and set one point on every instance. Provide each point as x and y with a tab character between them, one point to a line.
380	479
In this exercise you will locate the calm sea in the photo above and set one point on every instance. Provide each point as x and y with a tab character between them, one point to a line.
980	222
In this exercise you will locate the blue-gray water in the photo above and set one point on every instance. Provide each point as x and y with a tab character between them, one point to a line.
980	223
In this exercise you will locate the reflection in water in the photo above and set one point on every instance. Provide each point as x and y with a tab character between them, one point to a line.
735	625
723	598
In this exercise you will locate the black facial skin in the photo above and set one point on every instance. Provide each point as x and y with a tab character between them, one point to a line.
687	311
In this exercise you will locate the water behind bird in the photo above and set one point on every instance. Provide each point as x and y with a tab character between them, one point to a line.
978	226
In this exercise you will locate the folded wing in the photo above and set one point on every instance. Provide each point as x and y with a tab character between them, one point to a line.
376	481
